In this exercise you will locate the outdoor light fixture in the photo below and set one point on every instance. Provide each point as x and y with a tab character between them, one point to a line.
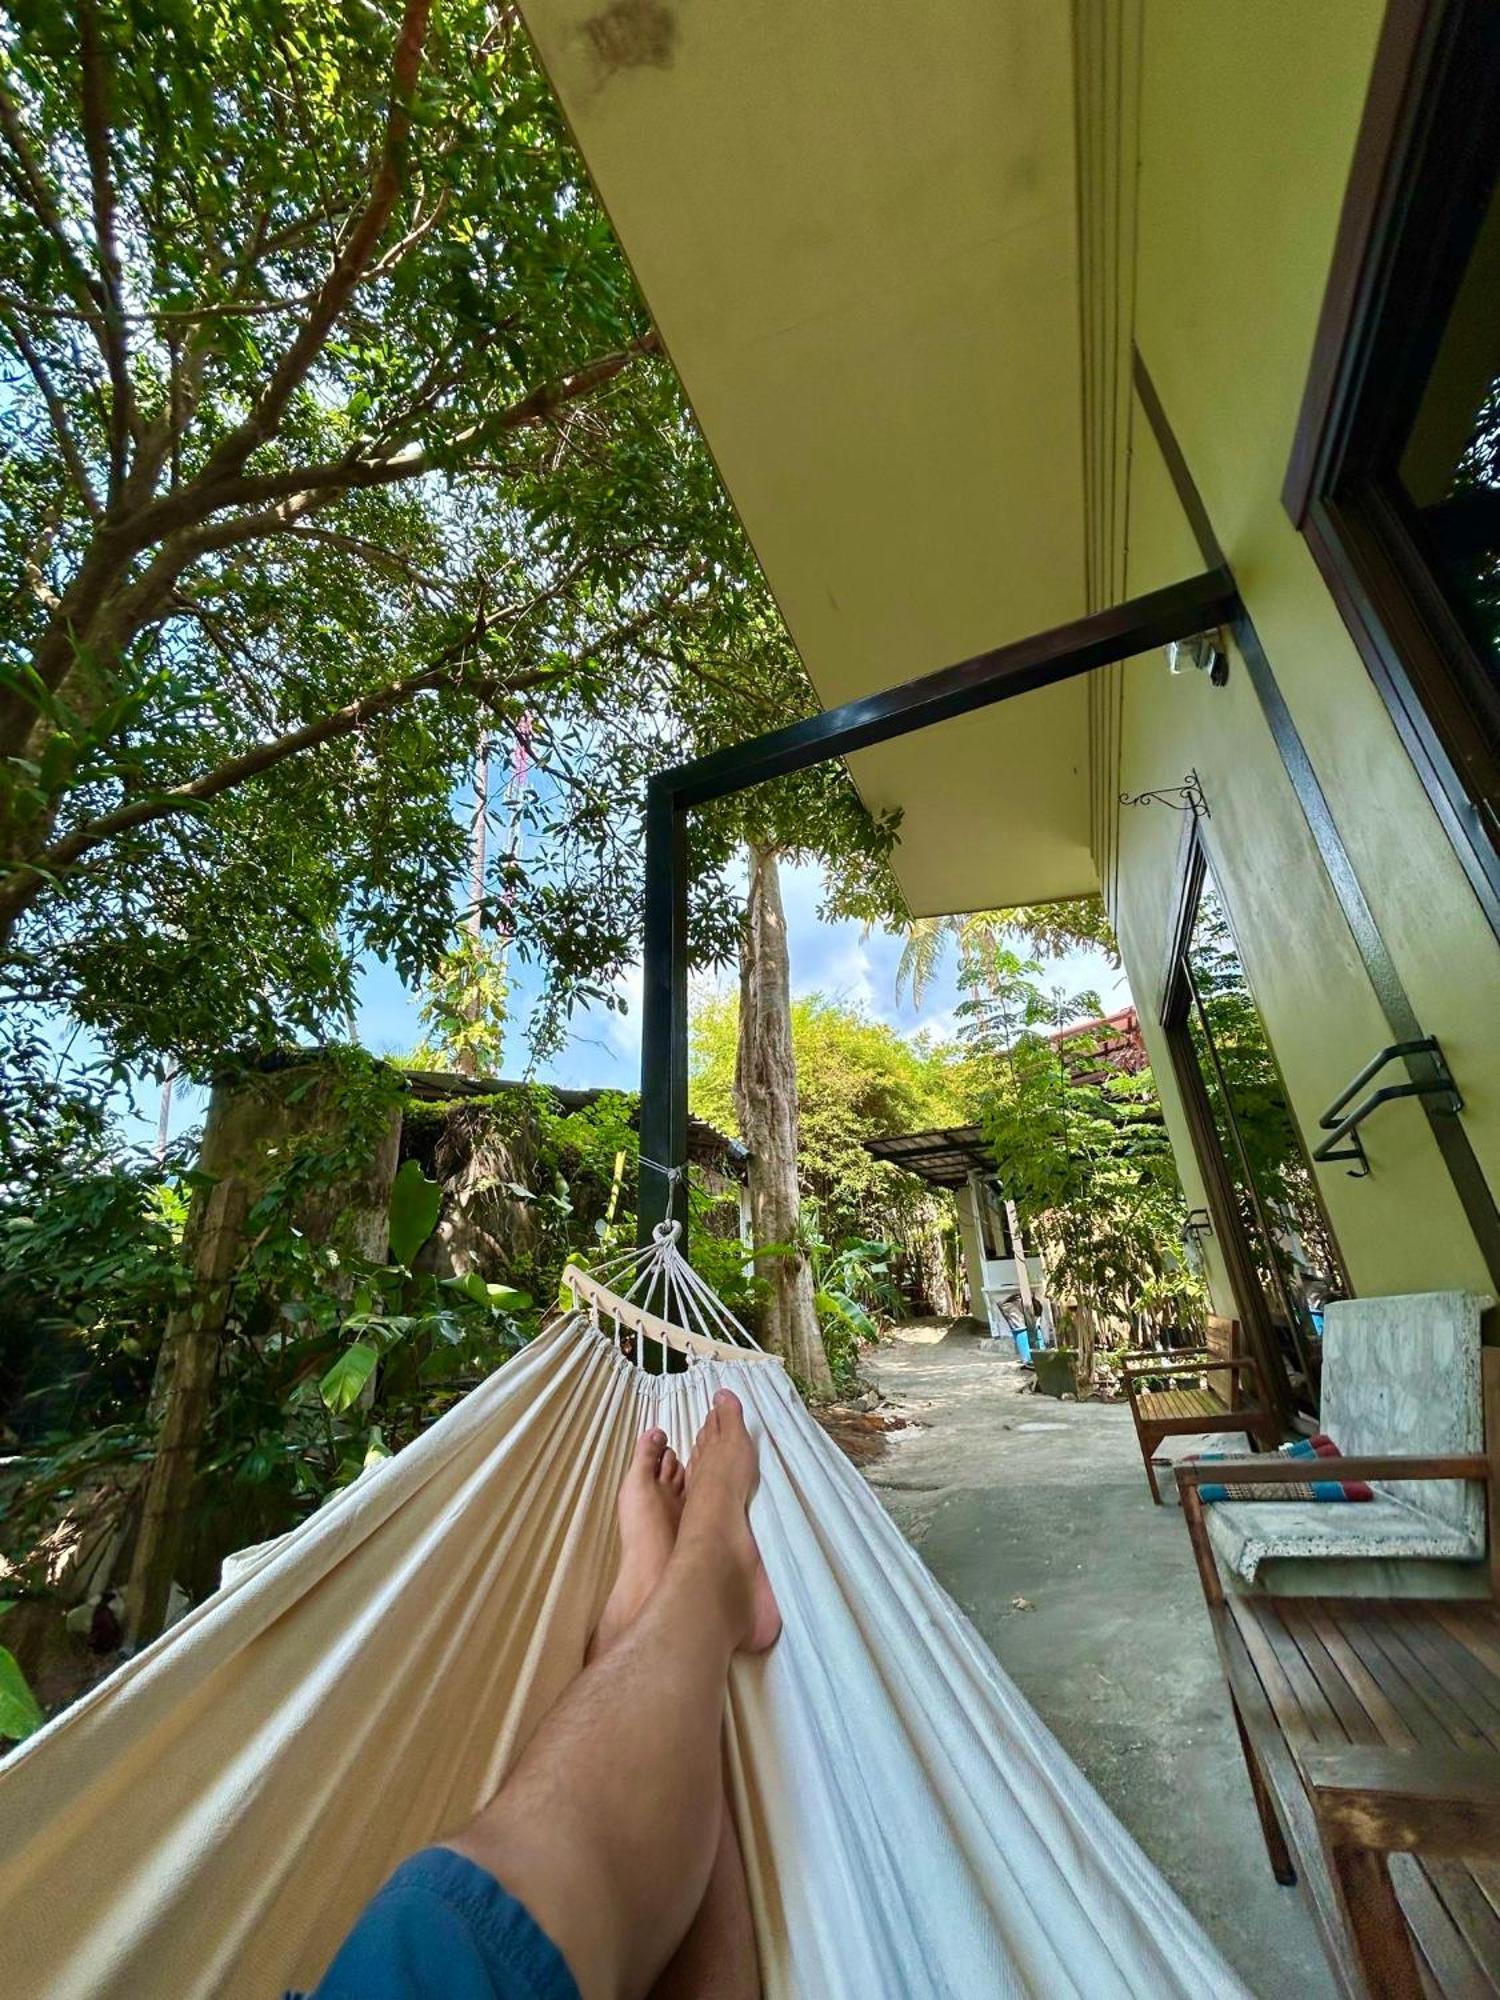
1194	1229
1203	654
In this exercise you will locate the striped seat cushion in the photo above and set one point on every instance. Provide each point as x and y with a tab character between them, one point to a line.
1275	1489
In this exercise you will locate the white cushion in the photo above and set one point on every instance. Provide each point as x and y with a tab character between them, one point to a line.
1401	1375
1247	1533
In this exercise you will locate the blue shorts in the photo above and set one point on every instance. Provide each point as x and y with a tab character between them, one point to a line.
443	1927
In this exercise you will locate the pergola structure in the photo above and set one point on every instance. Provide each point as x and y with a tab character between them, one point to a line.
1199	603
957	1161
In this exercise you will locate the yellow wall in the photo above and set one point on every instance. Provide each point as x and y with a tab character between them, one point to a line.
855	228
1242	177
899	279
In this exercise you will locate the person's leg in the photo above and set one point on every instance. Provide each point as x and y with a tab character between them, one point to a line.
608	1828
717	1959
650	1511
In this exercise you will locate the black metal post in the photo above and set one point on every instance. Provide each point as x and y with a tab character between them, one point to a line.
1181	611
664	1023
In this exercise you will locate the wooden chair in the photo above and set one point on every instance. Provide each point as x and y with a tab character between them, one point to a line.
1371	1734
1190	1405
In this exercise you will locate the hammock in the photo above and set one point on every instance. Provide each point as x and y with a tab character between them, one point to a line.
211	1818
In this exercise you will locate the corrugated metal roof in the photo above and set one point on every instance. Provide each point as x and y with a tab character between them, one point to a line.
943	1158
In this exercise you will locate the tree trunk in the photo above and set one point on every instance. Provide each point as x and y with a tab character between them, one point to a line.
765	1096
1086	1339
467	1062
180	1399
251	1123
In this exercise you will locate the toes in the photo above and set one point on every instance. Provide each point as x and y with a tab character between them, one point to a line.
670	1467
728	1405
650	1448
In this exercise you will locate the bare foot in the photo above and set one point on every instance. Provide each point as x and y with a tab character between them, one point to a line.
650	1508
722	1477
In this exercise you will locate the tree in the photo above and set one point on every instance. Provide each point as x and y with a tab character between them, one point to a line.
1084	1156
333	440
765	1088
765	1101
737	676
856	1079
1050	930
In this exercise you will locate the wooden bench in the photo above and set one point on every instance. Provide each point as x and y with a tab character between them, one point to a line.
1400	1375
1371	1734
1192	1406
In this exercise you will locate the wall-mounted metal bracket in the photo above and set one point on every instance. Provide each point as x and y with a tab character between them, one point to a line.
1186	797
1435	1080
1204	653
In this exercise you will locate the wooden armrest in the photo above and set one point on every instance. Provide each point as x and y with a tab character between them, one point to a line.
1314	1471
1188	1364
1197	1365
1247	1364
1243	1361
1423	1799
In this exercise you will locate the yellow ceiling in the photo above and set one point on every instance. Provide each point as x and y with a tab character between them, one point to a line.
855	228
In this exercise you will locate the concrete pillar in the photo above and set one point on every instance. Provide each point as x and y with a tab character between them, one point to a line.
971	1236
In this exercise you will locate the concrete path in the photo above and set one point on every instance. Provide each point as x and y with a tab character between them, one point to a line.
1011	1496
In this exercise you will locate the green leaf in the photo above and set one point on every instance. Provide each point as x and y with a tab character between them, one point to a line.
20	1711
505	1298
259	1463
341	1385
415	1205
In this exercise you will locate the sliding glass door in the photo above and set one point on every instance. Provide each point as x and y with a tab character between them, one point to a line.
1277	1244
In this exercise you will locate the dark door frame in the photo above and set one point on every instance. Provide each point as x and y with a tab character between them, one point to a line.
1459	1158
1422	179
1181	611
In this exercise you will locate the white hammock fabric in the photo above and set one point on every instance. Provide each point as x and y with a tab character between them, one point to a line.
210	1820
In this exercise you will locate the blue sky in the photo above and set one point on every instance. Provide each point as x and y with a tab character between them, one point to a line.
838	960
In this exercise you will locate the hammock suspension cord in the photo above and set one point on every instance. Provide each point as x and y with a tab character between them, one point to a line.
654	1291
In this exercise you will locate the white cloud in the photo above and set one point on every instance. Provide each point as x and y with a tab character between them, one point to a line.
845	974
937	1027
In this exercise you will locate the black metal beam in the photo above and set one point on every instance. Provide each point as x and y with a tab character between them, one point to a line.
1180	611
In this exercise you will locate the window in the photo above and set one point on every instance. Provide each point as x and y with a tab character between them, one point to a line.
1395	472
1277	1245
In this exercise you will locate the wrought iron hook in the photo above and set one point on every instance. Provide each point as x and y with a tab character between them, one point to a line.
1186	797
